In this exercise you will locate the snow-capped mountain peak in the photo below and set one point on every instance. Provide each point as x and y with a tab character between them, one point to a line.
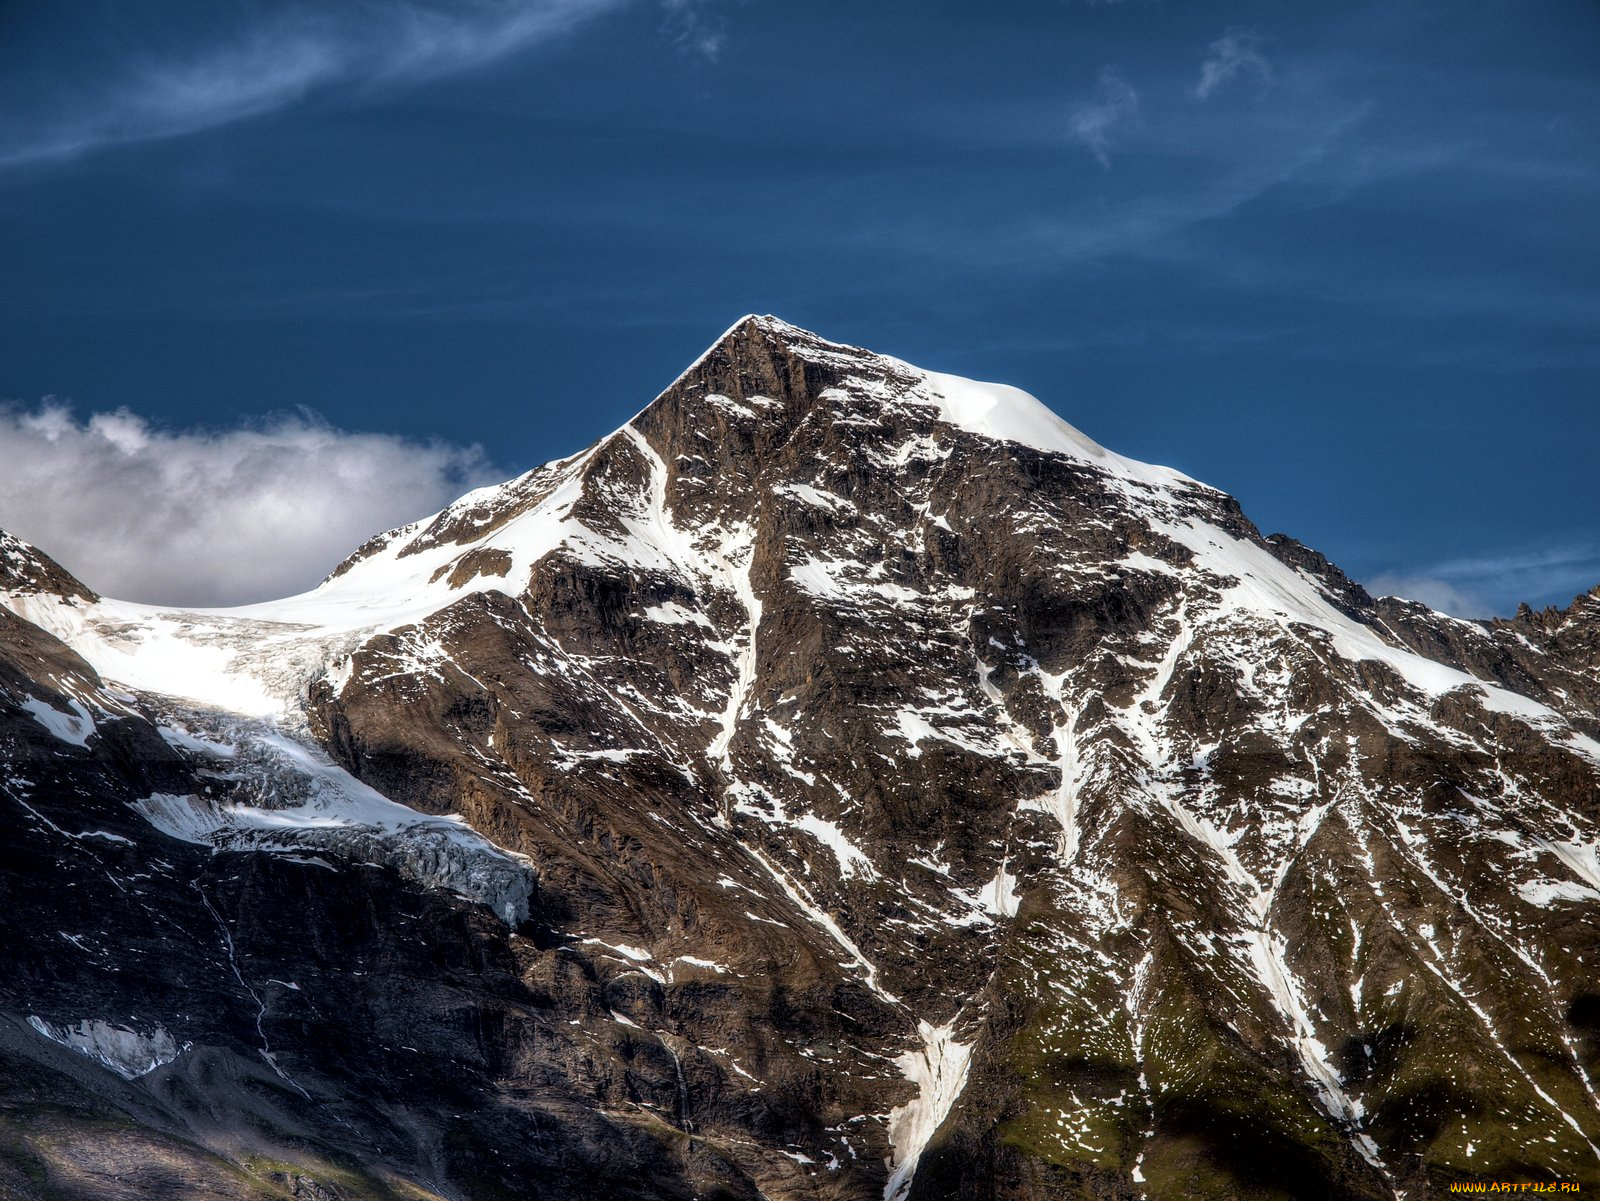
924	801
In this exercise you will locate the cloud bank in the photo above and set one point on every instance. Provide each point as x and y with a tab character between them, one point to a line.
201	517
270	61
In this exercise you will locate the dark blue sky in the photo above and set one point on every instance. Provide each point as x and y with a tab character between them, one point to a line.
1340	259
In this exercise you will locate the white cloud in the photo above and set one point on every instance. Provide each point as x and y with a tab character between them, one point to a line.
1236	53
1115	104
277	60
1432	591
201	517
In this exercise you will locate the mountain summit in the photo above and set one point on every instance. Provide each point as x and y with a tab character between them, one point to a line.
843	781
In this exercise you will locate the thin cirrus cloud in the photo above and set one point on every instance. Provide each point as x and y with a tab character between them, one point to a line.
1487	585
1236	55
693	28
1096	124
223	517
269	62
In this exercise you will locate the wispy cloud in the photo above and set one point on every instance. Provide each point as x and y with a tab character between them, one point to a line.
1095	124
1487	585
203	517
270	62
693	27
1236	54
1432	591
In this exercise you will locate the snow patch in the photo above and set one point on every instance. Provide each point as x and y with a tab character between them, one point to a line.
815	497
311	804
853	861
999	896
1546	892
124	1051
76	727
1008	414
673	614
939	1070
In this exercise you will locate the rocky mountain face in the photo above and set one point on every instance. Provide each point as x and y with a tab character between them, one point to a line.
843	781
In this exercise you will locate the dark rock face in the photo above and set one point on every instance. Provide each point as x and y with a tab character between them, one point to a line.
872	789
27	571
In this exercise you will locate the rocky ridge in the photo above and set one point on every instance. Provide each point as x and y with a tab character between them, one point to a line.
843	781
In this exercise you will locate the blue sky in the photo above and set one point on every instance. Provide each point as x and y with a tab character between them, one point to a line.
1339	259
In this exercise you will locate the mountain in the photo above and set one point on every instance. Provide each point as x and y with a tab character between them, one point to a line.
843	781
